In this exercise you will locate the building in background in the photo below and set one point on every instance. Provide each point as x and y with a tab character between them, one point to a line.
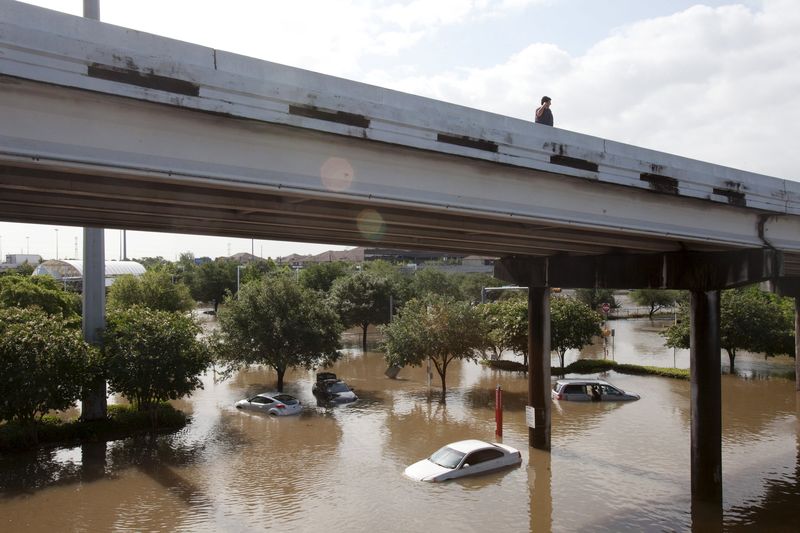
70	271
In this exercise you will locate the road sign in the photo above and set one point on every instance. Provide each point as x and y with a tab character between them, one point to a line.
606	308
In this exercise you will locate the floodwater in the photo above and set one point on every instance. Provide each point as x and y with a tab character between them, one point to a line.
613	467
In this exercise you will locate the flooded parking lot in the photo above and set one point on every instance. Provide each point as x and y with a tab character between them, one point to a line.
613	467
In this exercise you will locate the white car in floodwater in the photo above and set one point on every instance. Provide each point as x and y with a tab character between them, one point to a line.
464	458
273	404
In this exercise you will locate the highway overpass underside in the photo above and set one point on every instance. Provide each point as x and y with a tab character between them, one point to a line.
704	275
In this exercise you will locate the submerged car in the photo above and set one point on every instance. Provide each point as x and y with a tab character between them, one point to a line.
590	390
464	458
330	390
273	404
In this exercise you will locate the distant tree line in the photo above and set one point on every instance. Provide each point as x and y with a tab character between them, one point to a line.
272	315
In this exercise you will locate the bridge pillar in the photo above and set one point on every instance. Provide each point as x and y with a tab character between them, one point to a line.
94	401
706	402
797	342
539	366
790	286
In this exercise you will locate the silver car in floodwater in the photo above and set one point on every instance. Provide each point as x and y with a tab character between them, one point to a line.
273	404
590	390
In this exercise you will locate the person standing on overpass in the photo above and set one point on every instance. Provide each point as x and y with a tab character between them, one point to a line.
543	114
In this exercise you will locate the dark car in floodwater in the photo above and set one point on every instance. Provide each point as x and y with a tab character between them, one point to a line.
329	390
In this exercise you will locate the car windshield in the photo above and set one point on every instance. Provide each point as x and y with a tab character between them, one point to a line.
447	457
338	387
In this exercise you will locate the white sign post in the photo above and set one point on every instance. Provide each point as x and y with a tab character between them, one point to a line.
530	416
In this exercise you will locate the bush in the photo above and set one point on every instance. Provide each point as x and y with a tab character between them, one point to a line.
152	356
595	366
123	421
44	364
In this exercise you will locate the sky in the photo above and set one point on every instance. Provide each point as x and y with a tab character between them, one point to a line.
717	81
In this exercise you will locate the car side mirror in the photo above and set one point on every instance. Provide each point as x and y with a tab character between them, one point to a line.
466	465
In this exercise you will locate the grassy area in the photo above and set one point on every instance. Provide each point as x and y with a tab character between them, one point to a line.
123	421
594	366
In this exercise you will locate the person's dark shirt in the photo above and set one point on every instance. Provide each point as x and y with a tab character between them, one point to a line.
546	118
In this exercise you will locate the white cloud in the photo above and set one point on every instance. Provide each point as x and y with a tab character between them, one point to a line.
721	85
320	35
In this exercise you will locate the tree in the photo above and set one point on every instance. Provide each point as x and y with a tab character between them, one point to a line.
432	281
434	328
211	281
654	299
154	289
594	298
572	325
25	269
255	270
44	364
277	322
152	356
362	299
38	291
156	263
507	321
750	320
471	285
320	276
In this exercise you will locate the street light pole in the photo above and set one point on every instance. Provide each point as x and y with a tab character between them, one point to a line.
56	244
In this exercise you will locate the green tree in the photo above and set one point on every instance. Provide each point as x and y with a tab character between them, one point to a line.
572	325
320	276
362	299
750	320
44	364
153	356
213	280
260	268
38	291
508	325
471	285
434	328
654	299
154	289
156	263
400	280
594	298
432	281
25	269
277	322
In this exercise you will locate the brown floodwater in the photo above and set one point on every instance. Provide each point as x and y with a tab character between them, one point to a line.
613	467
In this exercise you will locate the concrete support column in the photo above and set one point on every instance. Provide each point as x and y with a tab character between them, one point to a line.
539	365
94	401
797	342
706	402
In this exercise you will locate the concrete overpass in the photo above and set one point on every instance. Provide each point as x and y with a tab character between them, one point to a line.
109	127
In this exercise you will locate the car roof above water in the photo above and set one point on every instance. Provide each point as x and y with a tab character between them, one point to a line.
470	445
582	382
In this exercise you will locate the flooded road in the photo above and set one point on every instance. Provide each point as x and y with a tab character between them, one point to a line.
613	467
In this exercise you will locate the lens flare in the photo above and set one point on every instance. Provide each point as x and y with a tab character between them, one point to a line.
337	174
371	225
